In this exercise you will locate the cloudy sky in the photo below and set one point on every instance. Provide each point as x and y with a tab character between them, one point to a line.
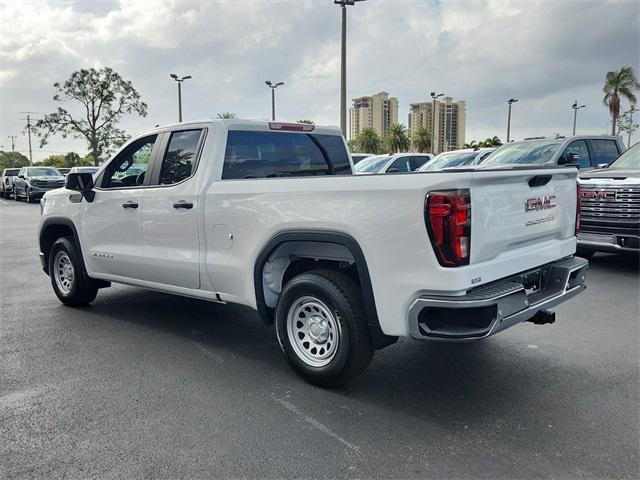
545	53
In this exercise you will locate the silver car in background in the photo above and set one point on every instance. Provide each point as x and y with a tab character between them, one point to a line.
458	159
398	163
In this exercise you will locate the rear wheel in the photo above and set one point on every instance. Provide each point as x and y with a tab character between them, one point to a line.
69	279
322	328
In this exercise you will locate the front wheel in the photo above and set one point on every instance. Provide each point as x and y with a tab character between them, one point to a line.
69	279
322	328
27	195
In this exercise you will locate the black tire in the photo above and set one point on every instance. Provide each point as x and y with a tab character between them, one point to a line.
82	290
6	195
27	195
585	253
344	300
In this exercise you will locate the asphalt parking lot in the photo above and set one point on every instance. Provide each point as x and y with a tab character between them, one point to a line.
142	384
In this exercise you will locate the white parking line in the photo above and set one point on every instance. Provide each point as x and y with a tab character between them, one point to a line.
4	202
316	424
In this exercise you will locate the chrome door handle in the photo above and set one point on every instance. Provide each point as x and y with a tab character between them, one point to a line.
185	205
130	205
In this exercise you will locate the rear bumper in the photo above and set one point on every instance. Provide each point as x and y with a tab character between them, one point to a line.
486	310
609	242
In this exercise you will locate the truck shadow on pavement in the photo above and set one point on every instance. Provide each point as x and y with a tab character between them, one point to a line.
438	382
611	262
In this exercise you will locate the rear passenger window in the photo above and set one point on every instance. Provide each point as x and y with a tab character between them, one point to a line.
282	154
417	162
403	164
604	151
180	158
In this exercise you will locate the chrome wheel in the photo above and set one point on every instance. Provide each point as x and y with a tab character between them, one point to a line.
63	273
313	331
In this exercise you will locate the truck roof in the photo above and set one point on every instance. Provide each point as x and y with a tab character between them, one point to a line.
258	125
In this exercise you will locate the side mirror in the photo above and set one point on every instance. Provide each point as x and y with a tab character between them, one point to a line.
571	160
601	166
81	182
21	176
393	170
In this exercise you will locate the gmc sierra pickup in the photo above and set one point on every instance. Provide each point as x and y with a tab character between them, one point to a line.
269	215
610	207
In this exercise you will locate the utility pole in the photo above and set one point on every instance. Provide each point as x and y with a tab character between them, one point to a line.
273	87
510	102
434	145
29	134
343	65
180	80
575	114
13	142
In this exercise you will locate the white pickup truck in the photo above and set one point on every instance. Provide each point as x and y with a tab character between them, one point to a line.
269	215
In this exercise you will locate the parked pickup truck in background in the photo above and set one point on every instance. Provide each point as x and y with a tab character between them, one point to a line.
7	181
32	182
610	207
269	215
585	152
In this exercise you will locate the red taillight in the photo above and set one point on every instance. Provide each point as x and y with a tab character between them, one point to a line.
448	218
578	206
291	127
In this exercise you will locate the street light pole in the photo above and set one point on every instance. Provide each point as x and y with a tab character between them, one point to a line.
434	145
510	102
273	87
576	107
631	110
343	64
180	80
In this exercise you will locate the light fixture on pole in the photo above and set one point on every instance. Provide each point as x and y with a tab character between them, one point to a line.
180	80
510	102
273	87
434	145
576	107
343	64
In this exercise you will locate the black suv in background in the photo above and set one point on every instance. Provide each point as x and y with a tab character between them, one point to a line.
32	182
7	181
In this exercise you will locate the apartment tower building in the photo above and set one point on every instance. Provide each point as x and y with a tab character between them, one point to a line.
448	133
377	111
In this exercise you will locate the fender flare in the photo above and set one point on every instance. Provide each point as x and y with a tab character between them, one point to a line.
323	236
52	222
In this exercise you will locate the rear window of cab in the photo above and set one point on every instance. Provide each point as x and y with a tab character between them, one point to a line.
251	154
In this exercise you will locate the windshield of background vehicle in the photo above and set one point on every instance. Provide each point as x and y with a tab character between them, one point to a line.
372	164
524	153
448	160
43	172
629	160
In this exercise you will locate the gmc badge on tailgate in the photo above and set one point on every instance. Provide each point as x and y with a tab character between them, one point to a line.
539	203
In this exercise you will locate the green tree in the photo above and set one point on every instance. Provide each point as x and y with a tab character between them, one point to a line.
309	122
100	97
619	84
368	141
57	161
421	140
352	144
12	160
471	144
226	115
396	140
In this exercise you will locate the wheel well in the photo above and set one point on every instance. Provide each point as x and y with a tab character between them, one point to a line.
48	237
291	253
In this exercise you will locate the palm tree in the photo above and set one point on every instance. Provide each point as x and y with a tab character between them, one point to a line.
226	115
471	144
368	141
396	140
496	142
617	85
310	122
421	140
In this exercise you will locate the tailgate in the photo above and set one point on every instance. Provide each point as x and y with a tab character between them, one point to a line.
520	219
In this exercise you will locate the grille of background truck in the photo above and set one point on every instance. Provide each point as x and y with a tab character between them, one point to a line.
619	214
